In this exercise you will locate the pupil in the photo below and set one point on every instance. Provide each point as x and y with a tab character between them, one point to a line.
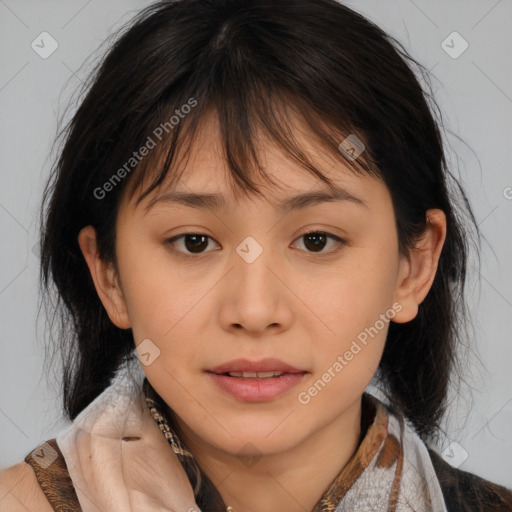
314	242
318	239
199	242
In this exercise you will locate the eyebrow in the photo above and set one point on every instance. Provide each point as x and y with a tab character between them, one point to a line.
218	201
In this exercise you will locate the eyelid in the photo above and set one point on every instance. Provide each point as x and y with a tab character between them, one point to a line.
340	241
305	231
170	241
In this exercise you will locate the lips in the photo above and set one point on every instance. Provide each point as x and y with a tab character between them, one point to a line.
264	366
256	381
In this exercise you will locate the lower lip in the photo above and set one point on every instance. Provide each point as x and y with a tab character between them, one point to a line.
254	389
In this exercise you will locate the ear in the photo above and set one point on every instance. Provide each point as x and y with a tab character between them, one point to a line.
416	273
105	279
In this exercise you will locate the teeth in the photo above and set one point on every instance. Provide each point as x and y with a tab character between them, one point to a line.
259	375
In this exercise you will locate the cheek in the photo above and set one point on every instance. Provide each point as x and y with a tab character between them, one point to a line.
353	306
347	359
157	294
352	295
164	306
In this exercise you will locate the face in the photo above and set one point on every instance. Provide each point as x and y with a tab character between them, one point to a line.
202	287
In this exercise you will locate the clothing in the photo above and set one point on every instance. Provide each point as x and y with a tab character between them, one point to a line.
121	454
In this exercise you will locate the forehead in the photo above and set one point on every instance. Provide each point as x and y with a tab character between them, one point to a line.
205	170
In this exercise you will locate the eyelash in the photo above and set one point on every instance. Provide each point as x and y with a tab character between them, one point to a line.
339	241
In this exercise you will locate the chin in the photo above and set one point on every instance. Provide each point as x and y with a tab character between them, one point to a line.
256	442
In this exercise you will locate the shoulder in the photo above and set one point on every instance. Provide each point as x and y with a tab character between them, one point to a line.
41	482
20	490
466	492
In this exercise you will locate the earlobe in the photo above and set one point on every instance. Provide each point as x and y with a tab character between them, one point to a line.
105	279
417	273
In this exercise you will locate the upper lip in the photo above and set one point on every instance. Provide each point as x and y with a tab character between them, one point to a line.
264	365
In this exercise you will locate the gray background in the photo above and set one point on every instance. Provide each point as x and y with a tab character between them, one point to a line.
475	94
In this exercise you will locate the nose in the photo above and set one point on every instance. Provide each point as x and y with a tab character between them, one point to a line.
256	297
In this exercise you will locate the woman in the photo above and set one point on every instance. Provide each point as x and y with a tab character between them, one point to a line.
308	246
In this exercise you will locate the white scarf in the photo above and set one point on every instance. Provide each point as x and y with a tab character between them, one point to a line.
144	474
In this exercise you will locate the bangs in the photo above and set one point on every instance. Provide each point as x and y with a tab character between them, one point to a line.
249	114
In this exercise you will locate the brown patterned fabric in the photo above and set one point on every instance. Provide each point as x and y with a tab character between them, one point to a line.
54	480
372	439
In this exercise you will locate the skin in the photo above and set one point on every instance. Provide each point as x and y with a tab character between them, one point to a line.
292	303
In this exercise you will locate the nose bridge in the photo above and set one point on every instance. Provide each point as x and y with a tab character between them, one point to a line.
254	299
255	223
252	260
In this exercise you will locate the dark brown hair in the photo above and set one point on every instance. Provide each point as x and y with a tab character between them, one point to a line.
252	63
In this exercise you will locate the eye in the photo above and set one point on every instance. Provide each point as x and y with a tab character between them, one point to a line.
316	241
191	243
